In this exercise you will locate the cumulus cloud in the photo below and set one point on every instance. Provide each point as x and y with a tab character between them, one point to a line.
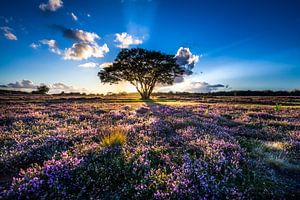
106	64
186	59
81	35
193	86
52	5
74	17
52	44
27	85
60	87
124	40
85	46
203	87
77	34
88	65
7	32
80	51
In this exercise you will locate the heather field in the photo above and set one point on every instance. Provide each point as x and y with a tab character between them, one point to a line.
55	147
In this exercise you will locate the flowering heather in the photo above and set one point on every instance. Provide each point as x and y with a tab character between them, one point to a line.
202	150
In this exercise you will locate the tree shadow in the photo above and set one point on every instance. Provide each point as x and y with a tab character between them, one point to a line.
166	135
223	122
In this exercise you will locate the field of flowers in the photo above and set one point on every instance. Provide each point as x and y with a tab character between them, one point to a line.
91	149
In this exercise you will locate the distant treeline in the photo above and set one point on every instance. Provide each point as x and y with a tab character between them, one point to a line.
8	92
238	93
187	94
260	93
18	92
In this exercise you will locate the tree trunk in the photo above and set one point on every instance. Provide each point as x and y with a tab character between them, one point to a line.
144	90
145	95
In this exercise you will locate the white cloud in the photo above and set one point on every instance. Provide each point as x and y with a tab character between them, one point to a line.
34	45
10	36
52	44
186	59
74	17
7	32
85	46
77	34
84	36
192	86
27	85
125	40
59	87
52	5
89	65
184	56
202	86
22	84
106	64
80	51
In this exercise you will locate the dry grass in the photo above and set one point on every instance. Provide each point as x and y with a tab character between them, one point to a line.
276	145
116	138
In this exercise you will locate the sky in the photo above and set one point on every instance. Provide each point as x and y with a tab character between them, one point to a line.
226	45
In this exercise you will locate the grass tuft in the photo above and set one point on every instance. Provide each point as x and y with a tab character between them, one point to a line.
276	145
116	138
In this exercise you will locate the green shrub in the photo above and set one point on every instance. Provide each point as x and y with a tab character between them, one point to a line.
277	107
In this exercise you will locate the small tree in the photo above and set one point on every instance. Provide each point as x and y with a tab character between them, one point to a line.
43	89
143	69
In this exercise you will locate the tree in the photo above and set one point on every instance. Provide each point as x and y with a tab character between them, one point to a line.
143	69
43	89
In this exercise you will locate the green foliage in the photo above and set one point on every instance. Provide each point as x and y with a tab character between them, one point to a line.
277	107
43	89
143	69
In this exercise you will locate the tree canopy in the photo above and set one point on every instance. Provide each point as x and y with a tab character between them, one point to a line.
143	69
43	89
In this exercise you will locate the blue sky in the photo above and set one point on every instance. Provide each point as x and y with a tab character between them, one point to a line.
241	44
